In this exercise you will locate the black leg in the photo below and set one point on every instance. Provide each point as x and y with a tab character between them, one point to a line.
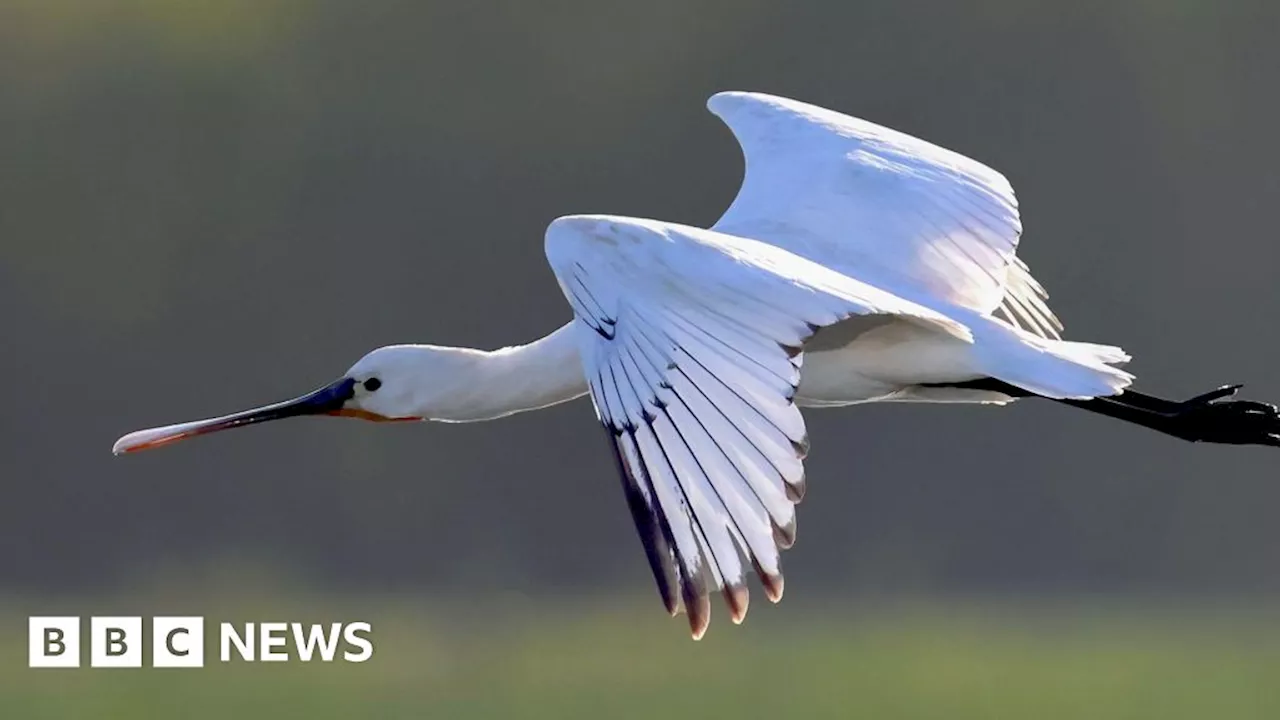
1210	417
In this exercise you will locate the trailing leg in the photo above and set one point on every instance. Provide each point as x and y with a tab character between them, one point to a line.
1210	417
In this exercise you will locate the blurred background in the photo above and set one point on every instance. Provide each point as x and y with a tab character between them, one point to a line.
209	205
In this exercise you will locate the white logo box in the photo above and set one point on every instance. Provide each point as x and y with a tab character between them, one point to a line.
115	642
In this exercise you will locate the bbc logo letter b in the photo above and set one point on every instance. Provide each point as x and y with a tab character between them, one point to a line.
53	642
115	642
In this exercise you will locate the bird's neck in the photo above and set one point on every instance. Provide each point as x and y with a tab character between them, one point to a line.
494	383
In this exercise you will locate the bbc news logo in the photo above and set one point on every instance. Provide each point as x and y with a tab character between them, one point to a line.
178	642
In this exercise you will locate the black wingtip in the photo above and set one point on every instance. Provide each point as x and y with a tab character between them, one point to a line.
649	527
737	598
795	490
773	586
698	606
771	582
784	536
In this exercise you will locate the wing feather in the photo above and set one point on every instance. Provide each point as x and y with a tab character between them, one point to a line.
651	525
690	344
880	205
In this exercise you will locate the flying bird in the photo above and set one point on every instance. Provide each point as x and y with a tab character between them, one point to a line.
856	264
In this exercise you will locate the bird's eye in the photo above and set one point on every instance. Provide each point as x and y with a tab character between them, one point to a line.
372	384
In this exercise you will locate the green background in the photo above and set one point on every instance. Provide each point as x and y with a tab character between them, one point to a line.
205	206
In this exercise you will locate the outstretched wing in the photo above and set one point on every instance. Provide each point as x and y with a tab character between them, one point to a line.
880	205
691	343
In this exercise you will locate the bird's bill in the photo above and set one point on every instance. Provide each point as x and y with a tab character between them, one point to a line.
327	400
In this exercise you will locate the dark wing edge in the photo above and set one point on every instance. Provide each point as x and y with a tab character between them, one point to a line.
710	466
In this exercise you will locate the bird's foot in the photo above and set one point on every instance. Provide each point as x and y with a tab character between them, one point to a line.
1213	418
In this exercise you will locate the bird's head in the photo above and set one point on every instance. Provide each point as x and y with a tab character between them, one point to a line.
390	384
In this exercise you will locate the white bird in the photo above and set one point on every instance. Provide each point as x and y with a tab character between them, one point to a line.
856	264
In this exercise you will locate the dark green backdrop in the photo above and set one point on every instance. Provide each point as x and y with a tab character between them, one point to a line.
204	206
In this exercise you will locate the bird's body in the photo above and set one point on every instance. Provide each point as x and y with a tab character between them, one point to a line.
856	264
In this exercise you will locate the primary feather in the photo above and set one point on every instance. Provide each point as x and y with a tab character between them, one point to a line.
692	341
867	200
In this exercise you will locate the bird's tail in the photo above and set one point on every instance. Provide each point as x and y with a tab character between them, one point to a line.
1051	368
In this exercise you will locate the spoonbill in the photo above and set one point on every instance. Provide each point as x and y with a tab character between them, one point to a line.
856	264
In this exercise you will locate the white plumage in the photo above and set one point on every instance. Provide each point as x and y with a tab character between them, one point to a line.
873	202
691	340
691	344
856	264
